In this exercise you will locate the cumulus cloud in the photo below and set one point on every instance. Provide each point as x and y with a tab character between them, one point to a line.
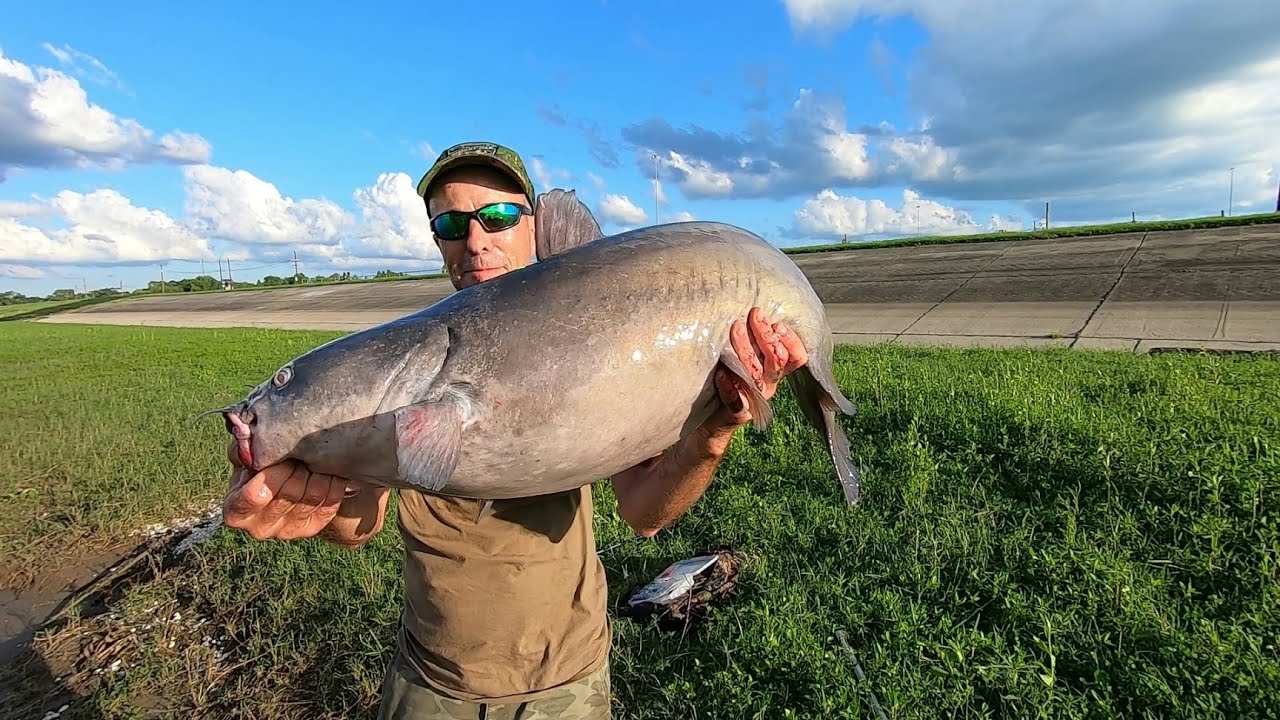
236	205
1109	108
228	214
99	228
47	121
813	147
388	229
829	215
393	222
619	209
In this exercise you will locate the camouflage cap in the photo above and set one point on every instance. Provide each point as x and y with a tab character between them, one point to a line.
478	153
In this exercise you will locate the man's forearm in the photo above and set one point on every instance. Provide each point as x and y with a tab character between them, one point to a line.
654	495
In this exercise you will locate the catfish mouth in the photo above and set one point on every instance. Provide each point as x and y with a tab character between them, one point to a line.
239	421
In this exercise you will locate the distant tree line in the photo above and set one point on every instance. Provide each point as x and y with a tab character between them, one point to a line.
199	283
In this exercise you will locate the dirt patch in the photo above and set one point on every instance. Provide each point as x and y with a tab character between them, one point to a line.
73	641
30	591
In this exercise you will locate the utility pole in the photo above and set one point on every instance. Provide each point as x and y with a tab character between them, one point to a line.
1231	190
233	282
1046	214
295	265
162	278
655	188
201	266
221	277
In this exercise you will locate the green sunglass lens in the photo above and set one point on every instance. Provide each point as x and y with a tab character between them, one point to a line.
499	216
451	225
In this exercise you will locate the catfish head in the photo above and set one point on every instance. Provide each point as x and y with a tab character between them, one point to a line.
333	408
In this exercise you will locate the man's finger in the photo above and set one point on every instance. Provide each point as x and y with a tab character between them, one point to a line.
768	344
287	496
797	355
324	512
775	360
746	350
730	392
246	500
319	504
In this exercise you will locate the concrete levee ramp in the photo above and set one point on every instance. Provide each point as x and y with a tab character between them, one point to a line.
1214	289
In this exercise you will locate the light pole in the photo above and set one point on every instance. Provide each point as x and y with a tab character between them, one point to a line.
1231	190
655	188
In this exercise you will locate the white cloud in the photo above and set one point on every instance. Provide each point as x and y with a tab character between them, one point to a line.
249	215
19	208
101	227
47	121
20	272
812	148
546	177
699	179
830	215
394	223
541	175
236	205
425	151
619	209
1260	189
84	65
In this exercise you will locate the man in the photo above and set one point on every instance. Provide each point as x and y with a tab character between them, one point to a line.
505	615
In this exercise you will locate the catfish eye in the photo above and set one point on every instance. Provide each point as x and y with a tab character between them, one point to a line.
282	377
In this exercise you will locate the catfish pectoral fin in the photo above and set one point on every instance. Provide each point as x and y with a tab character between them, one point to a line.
429	442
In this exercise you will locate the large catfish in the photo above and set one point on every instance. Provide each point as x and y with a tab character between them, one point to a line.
587	362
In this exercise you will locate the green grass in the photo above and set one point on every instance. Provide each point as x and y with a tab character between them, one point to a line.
1043	533
97	421
1203	223
40	308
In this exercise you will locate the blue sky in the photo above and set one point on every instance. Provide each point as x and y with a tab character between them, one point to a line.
803	121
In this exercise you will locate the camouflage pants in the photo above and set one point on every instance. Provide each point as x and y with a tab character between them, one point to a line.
404	698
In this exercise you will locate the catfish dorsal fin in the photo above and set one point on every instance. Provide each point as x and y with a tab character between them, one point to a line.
562	222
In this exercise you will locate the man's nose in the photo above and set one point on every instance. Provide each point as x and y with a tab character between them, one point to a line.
478	239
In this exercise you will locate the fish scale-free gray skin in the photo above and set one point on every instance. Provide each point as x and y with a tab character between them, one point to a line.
551	377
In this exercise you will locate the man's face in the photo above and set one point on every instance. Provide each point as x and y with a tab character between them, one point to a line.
481	255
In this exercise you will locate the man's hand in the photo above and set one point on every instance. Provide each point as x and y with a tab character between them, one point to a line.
769	352
284	501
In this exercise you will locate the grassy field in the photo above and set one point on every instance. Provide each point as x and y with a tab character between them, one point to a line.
1043	534
40	308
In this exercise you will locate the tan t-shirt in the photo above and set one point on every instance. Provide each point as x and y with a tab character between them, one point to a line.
505	608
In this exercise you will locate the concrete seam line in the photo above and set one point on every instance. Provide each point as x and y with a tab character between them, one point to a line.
1105	296
954	290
